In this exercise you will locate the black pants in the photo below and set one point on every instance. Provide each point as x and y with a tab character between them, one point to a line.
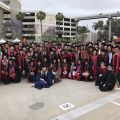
31	78
6	81
104	87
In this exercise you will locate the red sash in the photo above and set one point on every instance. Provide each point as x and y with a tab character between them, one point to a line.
117	64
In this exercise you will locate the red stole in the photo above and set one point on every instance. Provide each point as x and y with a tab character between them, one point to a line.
116	70
12	71
103	70
70	56
32	68
35	61
0	67
86	70
9	53
94	64
65	67
4	71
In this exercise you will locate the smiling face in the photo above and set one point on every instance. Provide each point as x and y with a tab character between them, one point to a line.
117	50
12	49
10	62
64	60
102	64
4	57
94	52
109	68
44	69
109	48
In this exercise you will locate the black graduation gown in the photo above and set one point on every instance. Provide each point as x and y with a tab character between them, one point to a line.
89	69
107	82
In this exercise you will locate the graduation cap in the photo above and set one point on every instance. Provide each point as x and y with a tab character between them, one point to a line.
76	45
82	45
69	50
37	45
109	45
86	60
91	47
58	44
90	43
28	51
44	65
35	52
11	45
11	59
63	50
94	49
32	60
103	43
117	47
96	44
103	50
79	60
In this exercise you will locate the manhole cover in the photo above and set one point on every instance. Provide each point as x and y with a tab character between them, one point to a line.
36	106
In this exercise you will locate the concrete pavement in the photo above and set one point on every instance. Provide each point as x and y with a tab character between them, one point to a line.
23	102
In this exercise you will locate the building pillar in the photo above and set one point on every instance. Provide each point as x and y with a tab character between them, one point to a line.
110	28
1	22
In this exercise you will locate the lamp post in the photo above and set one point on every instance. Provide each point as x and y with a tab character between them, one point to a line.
110	27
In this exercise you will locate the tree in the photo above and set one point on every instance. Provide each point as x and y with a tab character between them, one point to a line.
18	27
82	31
7	29
41	16
59	17
99	26
115	26
20	16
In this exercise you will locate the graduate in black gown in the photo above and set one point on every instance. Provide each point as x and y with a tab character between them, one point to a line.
86	71
12	71
44	79
107	81
32	70
4	69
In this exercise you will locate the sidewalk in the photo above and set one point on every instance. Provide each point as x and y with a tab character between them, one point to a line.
23	102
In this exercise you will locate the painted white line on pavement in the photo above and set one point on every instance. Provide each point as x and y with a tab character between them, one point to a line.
117	88
71	115
116	103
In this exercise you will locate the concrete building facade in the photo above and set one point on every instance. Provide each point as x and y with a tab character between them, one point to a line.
3	8
11	26
50	27
68	28
31	27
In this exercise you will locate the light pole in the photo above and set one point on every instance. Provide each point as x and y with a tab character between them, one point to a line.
110	27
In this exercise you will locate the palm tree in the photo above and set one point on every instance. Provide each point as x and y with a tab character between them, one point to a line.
41	16
20	16
82	31
59	17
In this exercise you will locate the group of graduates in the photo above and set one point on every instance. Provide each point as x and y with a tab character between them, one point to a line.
47	63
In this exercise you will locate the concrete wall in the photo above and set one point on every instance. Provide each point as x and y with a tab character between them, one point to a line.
91	37
15	6
1	21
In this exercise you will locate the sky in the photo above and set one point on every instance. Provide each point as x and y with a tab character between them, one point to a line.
74	8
